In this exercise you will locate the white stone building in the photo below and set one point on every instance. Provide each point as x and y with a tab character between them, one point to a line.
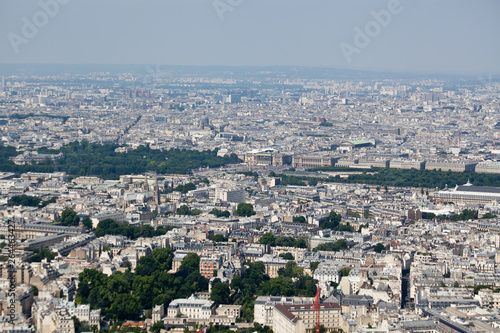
191	307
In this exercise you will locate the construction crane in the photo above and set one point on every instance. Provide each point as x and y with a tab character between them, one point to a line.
203	329
317	306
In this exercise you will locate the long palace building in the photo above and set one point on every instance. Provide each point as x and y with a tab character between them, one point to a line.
31	230
468	193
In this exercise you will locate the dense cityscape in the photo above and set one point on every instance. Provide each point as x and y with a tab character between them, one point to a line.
273	199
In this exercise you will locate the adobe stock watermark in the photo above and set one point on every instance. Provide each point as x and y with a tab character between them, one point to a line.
223	6
30	27
363	37
155	76
486	81
11	271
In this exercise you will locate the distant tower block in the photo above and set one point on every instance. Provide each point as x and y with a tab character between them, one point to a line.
204	122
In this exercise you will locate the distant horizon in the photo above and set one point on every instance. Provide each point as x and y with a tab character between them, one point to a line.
456	37
492	75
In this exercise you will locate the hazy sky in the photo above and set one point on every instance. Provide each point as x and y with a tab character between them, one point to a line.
450	36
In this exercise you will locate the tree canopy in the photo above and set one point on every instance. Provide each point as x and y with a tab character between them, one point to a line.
157	327
313	265
38	256
158	260
244	209
27	200
288	180
87	222
466	214
299	219
339	245
291	282
111	227
185	188
69	218
185	210
332	222
220	292
93	159
287	256
218	238
220	213
190	263
379	247
124	295
398	177
269	239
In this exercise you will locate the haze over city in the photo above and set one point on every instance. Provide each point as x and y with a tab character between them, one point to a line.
249	166
450	36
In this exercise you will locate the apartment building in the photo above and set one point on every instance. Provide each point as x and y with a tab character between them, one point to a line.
209	264
264	305
302	318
